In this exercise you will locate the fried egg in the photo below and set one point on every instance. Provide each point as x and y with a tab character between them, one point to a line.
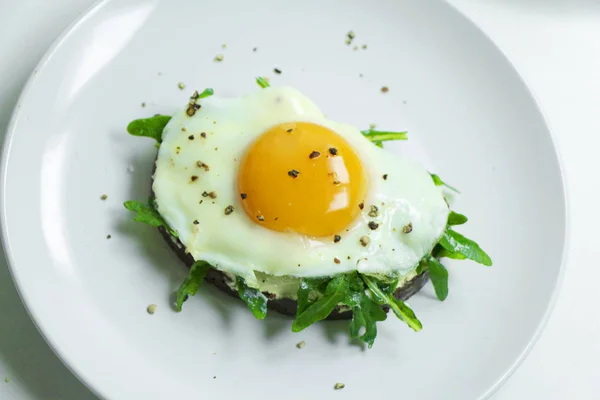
266	184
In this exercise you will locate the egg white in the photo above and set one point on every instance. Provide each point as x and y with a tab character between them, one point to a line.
235	244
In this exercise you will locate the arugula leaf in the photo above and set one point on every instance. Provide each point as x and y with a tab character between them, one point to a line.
206	93
190	286
388	287
335	292
454	242
439	251
365	313
308	285
153	127
438	182
455	218
401	310
256	301
378	137
149	127
262	82
348	289
439	278
355	284
148	214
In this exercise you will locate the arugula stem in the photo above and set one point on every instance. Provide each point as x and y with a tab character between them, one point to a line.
438	182
380	136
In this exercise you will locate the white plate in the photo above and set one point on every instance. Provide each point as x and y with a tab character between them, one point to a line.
469	117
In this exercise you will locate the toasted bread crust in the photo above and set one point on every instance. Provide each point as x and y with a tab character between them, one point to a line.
285	306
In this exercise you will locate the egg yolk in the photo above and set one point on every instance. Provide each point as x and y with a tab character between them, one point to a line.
302	177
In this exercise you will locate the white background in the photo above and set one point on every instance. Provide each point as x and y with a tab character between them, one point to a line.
555	44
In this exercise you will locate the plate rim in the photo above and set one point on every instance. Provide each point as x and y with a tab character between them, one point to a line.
91	10
566	200
4	160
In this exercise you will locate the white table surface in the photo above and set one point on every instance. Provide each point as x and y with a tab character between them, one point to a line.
555	44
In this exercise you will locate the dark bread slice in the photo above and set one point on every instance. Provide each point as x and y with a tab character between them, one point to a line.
285	306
